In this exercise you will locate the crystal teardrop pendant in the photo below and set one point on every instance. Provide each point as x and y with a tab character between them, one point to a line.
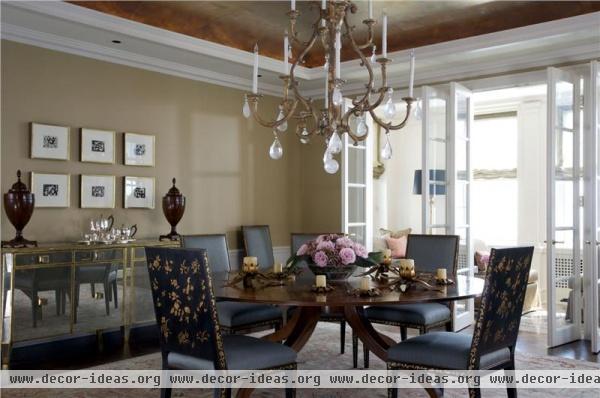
331	166
337	98
283	126
276	150
335	143
361	128
389	109
246	108
304	138
373	56
386	151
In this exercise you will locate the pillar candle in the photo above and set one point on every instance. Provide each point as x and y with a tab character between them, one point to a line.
365	283
320	281
278	268
286	54
255	71
387	253
411	79
384	37
250	263
326	89
441	273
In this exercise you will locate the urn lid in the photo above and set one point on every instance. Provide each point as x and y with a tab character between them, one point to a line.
173	191
19	186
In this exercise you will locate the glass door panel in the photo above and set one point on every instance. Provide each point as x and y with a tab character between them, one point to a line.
563	220
357	187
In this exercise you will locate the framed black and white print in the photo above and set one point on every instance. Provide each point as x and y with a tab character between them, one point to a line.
97	146
49	142
139	149
97	191
139	192
51	190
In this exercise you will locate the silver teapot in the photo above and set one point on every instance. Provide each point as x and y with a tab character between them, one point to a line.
126	233
102	225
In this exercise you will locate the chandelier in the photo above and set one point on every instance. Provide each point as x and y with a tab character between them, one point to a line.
331	30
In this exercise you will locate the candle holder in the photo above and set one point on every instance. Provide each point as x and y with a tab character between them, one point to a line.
444	282
372	292
253	279
407	278
322	289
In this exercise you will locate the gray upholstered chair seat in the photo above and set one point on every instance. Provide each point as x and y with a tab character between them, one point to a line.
233	314
443	350
414	314
241	352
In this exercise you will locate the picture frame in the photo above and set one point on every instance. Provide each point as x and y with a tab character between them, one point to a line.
138	192
97	191
139	149
97	146
49	141
51	190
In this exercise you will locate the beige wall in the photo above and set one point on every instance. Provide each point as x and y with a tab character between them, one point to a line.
219	158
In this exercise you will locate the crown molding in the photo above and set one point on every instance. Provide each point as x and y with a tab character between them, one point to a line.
103	53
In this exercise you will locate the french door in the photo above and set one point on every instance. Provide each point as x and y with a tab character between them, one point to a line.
459	190
446	177
563	235
357	187
592	208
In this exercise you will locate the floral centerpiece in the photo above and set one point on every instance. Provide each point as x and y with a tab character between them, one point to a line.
335	256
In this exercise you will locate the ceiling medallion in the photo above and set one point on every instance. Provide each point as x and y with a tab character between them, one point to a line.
331	30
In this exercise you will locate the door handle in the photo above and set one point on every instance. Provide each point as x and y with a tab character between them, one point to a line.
555	241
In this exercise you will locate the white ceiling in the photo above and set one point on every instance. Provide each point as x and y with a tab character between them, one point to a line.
72	29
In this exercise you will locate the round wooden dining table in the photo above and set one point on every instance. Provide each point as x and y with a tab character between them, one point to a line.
298	329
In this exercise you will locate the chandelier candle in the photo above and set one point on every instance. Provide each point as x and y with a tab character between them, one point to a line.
411	80
255	71
331	28
286	54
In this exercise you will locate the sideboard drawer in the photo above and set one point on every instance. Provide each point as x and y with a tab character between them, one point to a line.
51	257
98	255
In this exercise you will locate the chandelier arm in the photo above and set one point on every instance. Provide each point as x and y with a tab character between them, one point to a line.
293	34
364	62
389	126
253	102
305	101
370	35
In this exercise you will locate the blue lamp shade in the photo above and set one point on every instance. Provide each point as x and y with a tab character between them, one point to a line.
437	182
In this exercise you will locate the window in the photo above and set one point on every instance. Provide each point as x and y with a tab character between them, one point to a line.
494	193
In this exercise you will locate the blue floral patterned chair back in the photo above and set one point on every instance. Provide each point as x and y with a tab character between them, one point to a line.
502	301
184	303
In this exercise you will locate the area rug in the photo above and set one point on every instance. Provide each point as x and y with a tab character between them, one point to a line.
321	352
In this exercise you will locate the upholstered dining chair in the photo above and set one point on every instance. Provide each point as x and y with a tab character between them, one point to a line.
492	345
106	274
430	252
328	315
187	315
257	243
234	317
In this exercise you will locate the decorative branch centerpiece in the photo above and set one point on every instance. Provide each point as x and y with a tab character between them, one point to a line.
252	277
335	256
332	29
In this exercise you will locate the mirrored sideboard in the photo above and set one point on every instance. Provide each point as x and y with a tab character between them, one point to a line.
57	290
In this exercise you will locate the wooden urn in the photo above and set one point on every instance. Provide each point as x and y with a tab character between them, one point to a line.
18	205
173	205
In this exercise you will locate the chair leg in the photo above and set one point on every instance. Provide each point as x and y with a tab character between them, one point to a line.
449	327
511	392
93	289
34	309
474	393
354	350
165	392
115	294
221	393
57	294
107	298
342	336
403	333
365	356
392	392
422	330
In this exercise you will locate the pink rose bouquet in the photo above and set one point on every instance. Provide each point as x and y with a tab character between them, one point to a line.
332	251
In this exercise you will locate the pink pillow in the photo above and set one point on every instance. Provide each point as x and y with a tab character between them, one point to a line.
397	246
